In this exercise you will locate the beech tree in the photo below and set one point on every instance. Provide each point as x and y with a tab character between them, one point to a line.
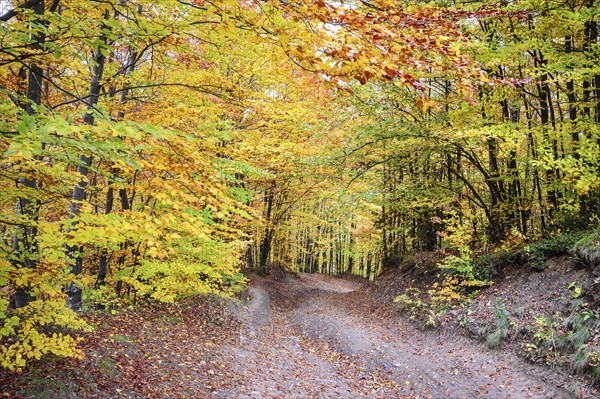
82	83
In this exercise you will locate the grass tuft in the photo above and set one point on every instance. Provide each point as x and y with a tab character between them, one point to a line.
501	332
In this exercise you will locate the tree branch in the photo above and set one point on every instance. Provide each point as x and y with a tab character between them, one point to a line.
15	11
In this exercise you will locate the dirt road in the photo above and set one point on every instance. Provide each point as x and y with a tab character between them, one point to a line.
303	337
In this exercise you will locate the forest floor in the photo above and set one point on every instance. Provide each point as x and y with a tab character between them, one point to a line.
293	336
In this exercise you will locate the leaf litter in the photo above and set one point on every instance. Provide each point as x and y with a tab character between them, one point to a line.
304	336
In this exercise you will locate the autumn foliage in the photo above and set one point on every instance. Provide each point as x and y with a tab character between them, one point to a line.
153	150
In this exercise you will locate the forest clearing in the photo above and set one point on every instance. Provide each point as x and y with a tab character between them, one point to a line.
181	180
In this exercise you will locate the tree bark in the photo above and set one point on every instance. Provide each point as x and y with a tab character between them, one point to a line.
265	247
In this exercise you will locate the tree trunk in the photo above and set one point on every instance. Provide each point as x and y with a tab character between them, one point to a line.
265	247
24	239
79	191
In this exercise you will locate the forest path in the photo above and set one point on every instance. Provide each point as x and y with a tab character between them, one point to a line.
310	337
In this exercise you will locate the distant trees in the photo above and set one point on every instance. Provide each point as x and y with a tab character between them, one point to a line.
503	151
520	156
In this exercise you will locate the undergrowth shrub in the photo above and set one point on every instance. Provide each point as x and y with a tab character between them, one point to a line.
458	281
488	266
419	309
587	250
536	253
457	286
501	331
567	341
422	263
546	339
